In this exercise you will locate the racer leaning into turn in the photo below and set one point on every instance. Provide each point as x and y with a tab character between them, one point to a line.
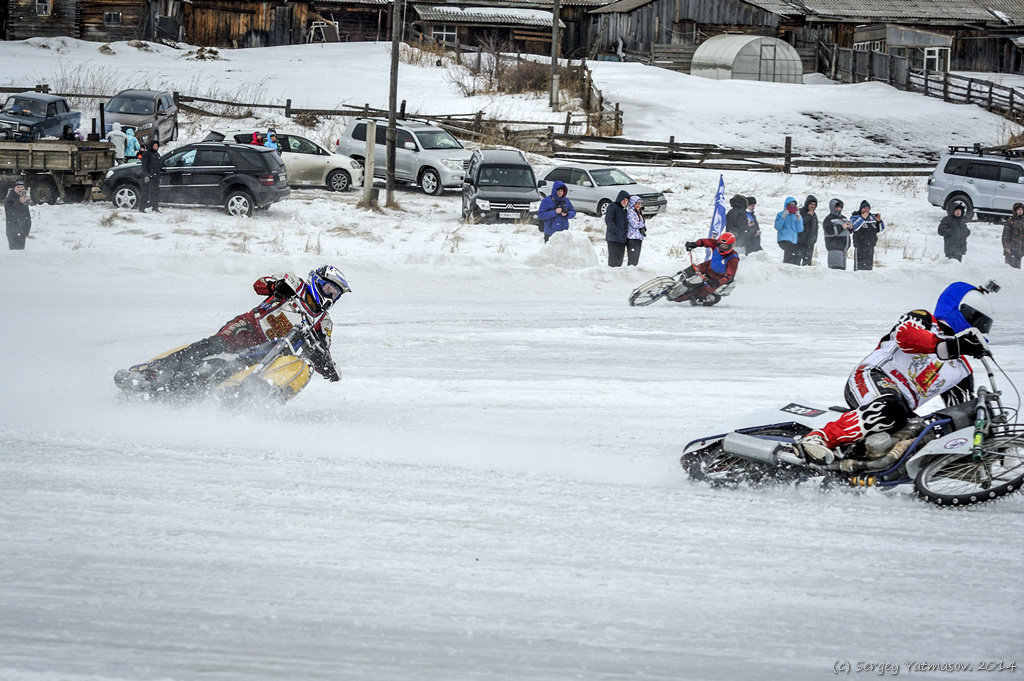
717	271
322	288
923	356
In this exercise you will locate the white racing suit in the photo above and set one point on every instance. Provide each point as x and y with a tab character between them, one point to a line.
901	374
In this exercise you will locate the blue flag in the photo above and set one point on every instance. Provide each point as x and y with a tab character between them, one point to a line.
718	219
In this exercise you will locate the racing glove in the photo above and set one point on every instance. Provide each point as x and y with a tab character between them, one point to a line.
968	342
690	245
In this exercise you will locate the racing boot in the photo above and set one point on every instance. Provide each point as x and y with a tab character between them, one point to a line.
822	446
815	448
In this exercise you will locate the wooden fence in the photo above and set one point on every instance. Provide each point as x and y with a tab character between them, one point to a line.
855	66
619	151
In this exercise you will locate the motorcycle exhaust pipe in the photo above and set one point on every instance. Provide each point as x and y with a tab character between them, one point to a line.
771	452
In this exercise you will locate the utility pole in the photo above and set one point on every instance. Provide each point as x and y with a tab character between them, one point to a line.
554	53
396	46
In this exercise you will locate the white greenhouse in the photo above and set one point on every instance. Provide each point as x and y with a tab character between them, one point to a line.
747	57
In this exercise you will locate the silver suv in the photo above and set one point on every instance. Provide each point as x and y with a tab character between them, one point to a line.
424	154
988	183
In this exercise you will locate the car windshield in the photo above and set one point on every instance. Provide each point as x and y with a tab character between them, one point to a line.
609	177
24	106
506	176
135	106
437	139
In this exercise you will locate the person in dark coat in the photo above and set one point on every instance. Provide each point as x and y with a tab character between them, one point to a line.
19	219
753	229
152	166
836	229
615	231
1013	236
809	237
736	222
866	228
954	231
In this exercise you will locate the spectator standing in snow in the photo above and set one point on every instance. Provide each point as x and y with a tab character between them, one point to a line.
753	229
809	237
272	140
152	166
1013	236
131	145
616	226
954	231
18	217
836	229
117	138
788	225
556	210
866	228
637	230
736	222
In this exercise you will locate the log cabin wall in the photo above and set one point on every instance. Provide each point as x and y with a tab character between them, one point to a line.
241	23
24	20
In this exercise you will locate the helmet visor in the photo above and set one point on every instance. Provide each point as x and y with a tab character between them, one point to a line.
976	318
331	290
724	247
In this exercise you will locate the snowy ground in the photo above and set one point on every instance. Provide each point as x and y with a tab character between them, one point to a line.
493	490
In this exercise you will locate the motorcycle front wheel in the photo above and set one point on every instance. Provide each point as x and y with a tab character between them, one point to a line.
962	479
651	291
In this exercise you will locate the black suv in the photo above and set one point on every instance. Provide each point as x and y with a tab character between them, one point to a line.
240	177
499	185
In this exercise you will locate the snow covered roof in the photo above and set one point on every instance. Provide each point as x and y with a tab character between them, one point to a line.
513	16
1004	12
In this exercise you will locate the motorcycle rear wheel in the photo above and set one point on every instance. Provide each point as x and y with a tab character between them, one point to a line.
960	480
651	291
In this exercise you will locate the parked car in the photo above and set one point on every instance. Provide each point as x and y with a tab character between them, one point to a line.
499	186
308	163
33	115
150	113
593	188
988	184
240	177
424	154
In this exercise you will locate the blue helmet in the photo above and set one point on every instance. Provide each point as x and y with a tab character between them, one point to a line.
324	286
964	305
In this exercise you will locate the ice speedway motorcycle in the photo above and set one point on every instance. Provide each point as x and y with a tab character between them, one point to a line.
275	370
965	454
681	283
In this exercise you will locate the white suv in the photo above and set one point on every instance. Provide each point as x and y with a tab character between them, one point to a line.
308	163
988	183
424	154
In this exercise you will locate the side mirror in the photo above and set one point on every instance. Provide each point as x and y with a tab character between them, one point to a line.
1020	180
541	183
411	146
587	183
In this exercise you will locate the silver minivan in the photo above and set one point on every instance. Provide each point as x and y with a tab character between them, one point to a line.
424	154
987	183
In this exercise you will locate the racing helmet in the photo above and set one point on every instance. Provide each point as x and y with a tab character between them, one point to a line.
726	241
964	305
324	286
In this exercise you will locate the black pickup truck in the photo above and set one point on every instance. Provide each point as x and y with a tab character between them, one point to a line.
28	116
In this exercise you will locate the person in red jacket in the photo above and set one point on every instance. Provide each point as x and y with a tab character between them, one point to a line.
717	271
923	356
273	318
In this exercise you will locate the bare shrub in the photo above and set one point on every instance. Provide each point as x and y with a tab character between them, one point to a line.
140	45
525	76
306	120
105	49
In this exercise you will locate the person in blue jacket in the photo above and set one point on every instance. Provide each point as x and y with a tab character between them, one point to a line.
789	224
556	210
272	140
131	145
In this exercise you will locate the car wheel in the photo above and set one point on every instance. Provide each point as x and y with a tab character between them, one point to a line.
44	191
240	203
602	207
964	199
126	196
338	181
430	182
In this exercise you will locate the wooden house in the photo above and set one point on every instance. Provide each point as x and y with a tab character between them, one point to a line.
244	23
979	36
